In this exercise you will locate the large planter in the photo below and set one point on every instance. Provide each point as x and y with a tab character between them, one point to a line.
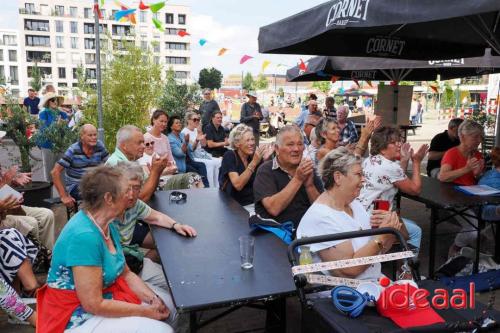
35	193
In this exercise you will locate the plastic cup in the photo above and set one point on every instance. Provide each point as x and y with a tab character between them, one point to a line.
247	245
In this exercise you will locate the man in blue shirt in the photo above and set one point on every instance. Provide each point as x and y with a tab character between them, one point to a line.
31	102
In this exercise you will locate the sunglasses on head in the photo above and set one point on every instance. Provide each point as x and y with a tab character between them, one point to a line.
147	144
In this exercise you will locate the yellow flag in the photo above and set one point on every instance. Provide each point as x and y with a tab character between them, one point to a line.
265	63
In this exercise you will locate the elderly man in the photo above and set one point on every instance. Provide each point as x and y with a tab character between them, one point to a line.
207	108
130	147
348	132
87	153
251	115
440	143
301	118
285	187
313	117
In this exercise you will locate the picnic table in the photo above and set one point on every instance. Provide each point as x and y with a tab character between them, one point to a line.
204	272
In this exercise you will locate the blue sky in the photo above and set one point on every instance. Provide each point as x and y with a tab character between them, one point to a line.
233	24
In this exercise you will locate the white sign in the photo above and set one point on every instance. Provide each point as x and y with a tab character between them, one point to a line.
344	12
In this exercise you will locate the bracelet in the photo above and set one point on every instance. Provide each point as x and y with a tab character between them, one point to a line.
173	225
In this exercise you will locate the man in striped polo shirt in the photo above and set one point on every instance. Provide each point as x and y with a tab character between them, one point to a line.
87	153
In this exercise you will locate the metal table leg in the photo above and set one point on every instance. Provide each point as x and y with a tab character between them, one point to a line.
432	246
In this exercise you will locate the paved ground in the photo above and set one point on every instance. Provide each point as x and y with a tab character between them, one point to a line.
248	319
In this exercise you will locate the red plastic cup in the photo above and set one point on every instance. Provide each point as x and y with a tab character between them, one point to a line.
379	204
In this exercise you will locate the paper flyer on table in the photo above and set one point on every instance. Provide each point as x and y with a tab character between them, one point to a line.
6	190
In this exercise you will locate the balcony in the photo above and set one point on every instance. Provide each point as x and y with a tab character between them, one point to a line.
23	11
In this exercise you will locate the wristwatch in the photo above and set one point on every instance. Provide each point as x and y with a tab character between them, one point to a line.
379	243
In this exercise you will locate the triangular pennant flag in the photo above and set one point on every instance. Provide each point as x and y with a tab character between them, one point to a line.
102	3
202	41
435	88
369	83
158	25
183	33
245	58
222	51
142	6
122	13
302	66
98	11
265	63
334	78
357	83
155	7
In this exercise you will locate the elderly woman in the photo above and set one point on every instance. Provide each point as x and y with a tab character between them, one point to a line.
239	165
183	151
197	140
89	286
384	172
463	165
216	136
330	137
338	210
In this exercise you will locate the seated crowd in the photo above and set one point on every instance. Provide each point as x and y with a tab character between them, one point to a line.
94	282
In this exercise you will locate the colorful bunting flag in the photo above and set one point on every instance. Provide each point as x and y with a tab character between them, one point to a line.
357	83
156	6
183	33
123	13
245	58
369	83
222	51
265	63
335	78
302	66
202	41
102	3
142	6
434	88
158	25
98	11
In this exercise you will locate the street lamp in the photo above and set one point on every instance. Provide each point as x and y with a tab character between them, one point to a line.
457	83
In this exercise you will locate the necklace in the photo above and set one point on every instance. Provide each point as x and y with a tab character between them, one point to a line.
106	237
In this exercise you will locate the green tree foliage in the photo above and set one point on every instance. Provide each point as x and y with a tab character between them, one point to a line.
261	82
131	84
323	86
448	99
248	82
177	98
281	92
210	78
36	77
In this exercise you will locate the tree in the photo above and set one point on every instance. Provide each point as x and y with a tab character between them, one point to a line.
131	84
248	82
210	78
36	77
261	82
177	98
323	86
448	98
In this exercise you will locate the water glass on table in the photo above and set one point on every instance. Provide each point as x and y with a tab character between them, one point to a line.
247	245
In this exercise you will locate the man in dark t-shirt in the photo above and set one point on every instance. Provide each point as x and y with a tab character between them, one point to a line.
285	187
207	108
216	136
31	102
440	144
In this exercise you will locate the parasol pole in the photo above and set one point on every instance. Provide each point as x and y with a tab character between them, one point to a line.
100	129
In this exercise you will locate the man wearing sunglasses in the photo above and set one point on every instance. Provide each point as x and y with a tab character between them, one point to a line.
207	108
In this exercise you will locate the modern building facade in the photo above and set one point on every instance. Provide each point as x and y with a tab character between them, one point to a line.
9	61
59	36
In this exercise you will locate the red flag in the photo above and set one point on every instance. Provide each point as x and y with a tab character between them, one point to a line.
98	11
302	66
394	83
369	83
335	78
357	83
435	88
142	6
183	33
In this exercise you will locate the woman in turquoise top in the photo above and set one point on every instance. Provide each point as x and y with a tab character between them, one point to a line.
88	258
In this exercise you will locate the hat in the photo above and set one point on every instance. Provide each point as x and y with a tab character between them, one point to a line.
252	94
414	313
48	96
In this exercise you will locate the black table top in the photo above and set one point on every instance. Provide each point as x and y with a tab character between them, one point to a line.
445	195
204	272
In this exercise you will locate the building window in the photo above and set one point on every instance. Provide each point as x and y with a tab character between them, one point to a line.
12	55
75	74
181	75
89	43
62	85
36	25
59	26
144	45
10	40
90	58
2	73
156	47
60	42
142	16
61	72
14	79
73	11
173	31
74	42
1	55
87	12
156	60
120	30
37	40
29	8
176	60
90	73
169	18
176	46
74	27
88	28
38	56
59	10
181	18
45	71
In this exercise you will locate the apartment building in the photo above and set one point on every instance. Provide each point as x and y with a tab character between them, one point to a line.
9	61
59	36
